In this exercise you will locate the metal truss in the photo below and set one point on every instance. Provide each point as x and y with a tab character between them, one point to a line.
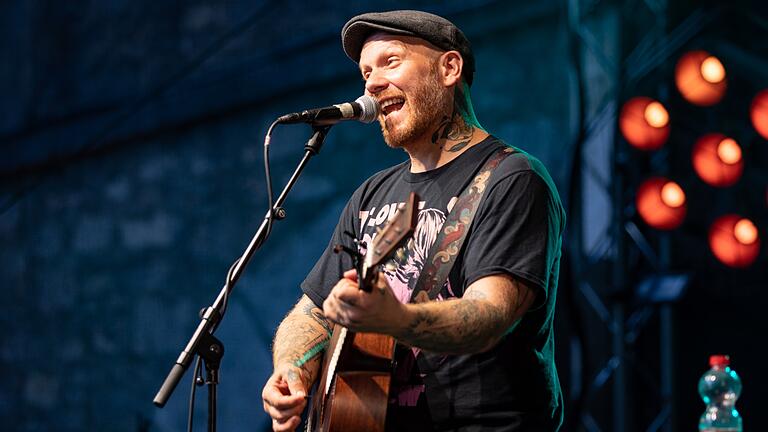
604	233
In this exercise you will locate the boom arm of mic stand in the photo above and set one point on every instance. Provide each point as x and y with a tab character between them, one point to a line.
211	316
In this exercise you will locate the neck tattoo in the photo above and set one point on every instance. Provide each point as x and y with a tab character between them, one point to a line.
454	132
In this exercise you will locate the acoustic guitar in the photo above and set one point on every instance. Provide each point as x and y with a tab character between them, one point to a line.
353	390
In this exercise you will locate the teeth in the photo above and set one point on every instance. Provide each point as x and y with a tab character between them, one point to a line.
393	101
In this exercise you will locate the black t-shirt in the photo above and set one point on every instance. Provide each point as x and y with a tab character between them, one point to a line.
517	230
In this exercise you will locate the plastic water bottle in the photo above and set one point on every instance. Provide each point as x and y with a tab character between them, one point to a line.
719	387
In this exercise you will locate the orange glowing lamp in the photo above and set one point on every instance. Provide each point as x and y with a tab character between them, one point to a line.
644	123
734	240
758	112
717	159
700	77
661	203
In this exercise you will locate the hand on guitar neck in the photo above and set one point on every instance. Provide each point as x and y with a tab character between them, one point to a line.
377	311
370	305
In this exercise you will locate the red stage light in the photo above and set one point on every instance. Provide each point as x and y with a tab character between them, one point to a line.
717	160
644	123
758	112
734	241
661	203
745	232
700	78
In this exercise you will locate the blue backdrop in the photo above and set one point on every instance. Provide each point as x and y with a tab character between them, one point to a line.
131	177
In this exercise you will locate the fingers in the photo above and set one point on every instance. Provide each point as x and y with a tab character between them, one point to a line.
288	425
285	390
342	300
347	313
282	407
284	401
283	416
347	291
351	275
336	311
381	283
281	402
353	308
296	387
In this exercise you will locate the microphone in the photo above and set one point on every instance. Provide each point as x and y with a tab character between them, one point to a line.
364	109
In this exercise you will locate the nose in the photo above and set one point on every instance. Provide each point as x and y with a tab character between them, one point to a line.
376	83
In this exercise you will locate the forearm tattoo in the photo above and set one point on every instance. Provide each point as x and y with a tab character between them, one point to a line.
309	309
303	334
467	325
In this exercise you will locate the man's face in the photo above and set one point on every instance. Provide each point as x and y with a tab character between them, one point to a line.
402	74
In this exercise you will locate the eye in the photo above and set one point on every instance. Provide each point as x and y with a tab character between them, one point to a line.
391	61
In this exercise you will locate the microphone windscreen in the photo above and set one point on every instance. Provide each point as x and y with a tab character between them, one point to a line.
370	108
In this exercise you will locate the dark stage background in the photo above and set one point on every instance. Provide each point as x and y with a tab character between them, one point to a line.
131	177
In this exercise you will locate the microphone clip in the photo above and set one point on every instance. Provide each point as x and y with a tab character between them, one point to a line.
316	141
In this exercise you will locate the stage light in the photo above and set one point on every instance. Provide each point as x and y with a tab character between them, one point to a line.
734	241
712	70
701	78
745	231
661	203
644	123
729	151
672	195
758	112
656	115
718	160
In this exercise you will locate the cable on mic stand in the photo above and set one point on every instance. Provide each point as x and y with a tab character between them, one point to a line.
203	345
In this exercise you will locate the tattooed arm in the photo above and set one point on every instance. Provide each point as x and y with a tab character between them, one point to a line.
299	340
473	323
301	337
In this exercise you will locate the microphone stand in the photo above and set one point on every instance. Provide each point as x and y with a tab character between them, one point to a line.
202	342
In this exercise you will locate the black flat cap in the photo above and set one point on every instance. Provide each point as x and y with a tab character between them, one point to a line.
432	28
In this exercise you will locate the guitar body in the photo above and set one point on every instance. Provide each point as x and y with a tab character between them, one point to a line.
353	390
356	373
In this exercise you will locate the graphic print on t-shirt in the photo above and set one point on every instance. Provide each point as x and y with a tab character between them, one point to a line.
402	277
407	265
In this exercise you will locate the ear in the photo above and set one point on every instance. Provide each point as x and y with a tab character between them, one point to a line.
451	64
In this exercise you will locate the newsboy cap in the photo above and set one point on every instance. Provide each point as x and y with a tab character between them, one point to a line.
432	28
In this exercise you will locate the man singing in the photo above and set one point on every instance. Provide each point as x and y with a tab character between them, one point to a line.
480	356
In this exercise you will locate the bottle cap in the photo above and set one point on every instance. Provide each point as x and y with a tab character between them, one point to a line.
719	360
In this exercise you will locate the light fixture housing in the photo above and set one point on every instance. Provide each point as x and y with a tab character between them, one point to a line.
644	123
717	160
758	113
734	240
701	78
661	203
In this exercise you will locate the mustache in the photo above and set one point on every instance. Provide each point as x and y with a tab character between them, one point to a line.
382	97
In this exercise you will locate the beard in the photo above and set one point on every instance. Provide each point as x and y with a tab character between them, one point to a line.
428	104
